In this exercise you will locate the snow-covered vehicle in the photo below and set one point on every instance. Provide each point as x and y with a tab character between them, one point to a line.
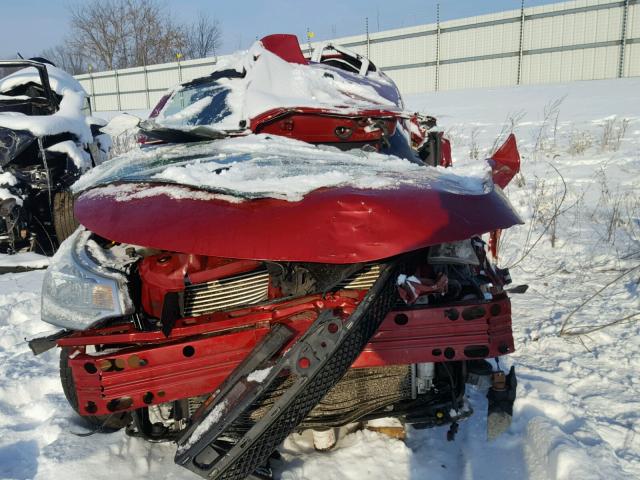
47	139
288	262
316	107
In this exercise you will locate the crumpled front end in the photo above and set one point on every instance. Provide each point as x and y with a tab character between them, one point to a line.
179	326
225	294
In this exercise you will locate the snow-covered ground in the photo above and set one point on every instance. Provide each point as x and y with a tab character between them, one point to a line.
578	410
19	261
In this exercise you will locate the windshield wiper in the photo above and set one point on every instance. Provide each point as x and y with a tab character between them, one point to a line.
215	76
175	135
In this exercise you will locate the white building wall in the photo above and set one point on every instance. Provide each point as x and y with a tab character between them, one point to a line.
561	42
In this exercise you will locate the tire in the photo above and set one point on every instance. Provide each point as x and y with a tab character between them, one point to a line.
106	422
63	220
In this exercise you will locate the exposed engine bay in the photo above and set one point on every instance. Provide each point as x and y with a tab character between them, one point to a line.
450	302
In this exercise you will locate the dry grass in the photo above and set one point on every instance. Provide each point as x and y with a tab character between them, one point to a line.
579	142
613	131
124	143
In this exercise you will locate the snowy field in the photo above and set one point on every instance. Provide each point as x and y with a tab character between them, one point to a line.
577	415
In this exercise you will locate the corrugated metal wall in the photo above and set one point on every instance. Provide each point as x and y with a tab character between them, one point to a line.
562	42
140	88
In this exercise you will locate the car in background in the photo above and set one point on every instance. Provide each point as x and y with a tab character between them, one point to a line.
47	140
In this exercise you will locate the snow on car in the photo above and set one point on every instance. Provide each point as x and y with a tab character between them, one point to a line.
576	415
47	140
288	222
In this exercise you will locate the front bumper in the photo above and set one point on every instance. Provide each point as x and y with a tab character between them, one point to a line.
201	352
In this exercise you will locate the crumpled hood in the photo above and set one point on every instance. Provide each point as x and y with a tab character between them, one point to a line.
271	198
259	166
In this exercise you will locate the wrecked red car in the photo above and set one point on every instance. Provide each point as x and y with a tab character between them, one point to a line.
287	257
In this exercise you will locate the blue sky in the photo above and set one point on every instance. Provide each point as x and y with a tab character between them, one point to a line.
29	26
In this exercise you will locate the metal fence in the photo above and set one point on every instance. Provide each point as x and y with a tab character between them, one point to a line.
562	42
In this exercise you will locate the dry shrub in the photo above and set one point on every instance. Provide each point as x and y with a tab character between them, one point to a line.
579	142
123	143
613	131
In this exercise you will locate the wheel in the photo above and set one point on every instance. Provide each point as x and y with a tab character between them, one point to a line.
63	220
107	422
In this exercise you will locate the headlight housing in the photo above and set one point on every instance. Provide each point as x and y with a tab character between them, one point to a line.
77	293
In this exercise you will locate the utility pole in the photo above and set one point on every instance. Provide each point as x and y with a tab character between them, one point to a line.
366	26
178	57
310	35
437	46
520	47
146	82
623	38
93	88
115	73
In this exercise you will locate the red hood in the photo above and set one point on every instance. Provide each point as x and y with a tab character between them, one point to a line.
330	225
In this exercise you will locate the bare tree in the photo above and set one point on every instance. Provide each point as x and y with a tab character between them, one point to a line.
114	34
204	36
66	58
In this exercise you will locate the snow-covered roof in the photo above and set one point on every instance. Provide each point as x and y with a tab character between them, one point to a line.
59	80
69	117
270	82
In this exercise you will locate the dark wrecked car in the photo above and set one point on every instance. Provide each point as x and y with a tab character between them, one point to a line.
284	261
47	140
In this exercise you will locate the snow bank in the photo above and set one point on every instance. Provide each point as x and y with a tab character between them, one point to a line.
576	415
24	260
550	453
363	454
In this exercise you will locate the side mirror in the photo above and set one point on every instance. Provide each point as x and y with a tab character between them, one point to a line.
120	124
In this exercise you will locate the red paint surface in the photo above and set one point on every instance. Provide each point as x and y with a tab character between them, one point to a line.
334	225
285	46
445	153
168	374
165	273
317	126
507	162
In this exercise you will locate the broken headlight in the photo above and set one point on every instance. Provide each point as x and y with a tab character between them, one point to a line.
77	292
